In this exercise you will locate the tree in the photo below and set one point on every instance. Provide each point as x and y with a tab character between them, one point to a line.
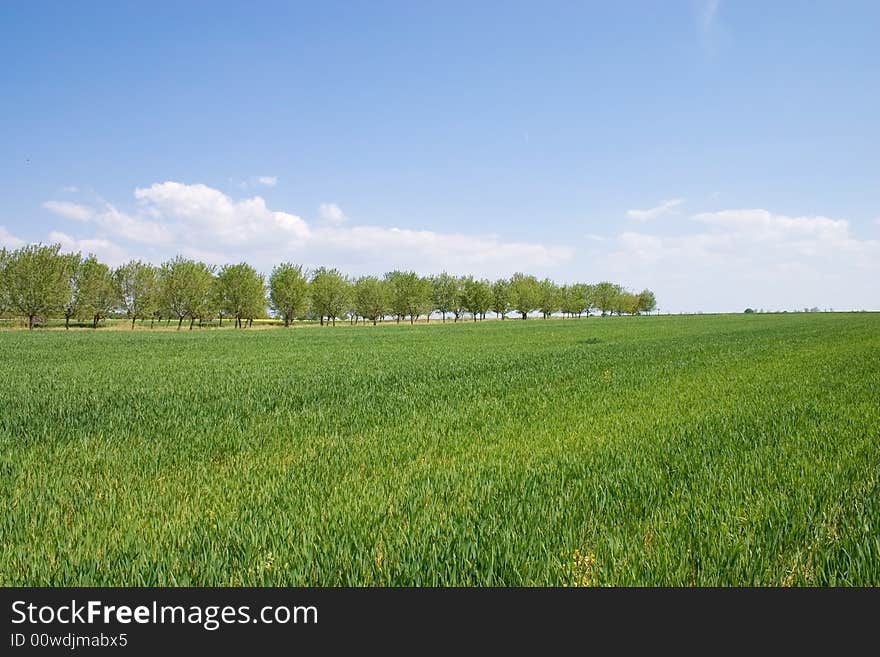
330	292
606	295
4	294
647	301
443	293
74	270
525	294
289	291
575	299
501	297
410	295
37	281
629	303
477	297
138	288
459	300
371	298
549	301
185	288
97	295
619	302
242	293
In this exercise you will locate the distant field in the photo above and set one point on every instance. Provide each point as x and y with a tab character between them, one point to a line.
713	450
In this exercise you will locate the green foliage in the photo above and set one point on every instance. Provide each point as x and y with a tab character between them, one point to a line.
36	279
371	298
73	265
330	293
4	293
550	298
186	289
137	284
501	297
96	293
241	292
646	302
444	293
714	450
477	297
525	294
289	291
606	296
409	294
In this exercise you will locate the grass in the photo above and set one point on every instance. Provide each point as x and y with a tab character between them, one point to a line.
713	450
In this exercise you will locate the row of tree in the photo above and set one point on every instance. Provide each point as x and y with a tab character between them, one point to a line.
39	281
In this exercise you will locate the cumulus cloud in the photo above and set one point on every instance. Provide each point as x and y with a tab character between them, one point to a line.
113	222
752	257
373	248
198	212
70	210
202	222
665	207
8	240
267	181
332	213
70	189
106	251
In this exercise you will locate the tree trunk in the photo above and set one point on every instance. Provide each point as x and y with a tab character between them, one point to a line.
191	322
31	322
179	322
444	317
286	321
523	314
374	321
132	323
67	322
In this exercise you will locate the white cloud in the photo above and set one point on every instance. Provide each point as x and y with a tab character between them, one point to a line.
268	181
70	210
203	222
751	257
197	214
112	221
8	240
593	237
377	249
877	221
106	251
665	207
70	189
332	213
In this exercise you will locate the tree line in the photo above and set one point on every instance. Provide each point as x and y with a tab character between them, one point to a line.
39	282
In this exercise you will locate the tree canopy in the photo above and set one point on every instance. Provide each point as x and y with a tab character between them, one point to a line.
39	282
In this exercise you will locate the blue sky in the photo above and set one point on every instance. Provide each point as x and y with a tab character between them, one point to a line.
724	154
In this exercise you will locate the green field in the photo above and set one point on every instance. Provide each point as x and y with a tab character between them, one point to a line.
703	450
